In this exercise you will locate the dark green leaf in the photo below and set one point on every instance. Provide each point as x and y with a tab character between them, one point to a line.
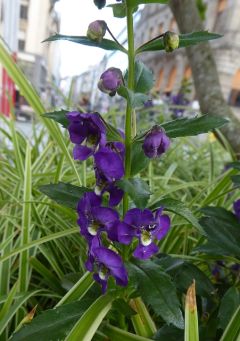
232	331
193	126
169	333
105	44
235	165
236	179
158	290
137	189
133	98
121	306
220	213
229	304
139	159
64	193
178	208
58	116
224	234
184	41
53	324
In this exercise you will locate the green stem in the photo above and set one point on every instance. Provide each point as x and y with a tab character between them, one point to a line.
128	119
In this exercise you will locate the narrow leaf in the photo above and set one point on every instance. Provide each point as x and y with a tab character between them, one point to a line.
105	44
191	317
229	304
117	334
58	116
232	332
64	193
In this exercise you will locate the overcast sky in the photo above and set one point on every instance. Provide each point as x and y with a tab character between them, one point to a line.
75	18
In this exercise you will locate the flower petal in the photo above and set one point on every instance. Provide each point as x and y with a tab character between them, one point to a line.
145	252
82	152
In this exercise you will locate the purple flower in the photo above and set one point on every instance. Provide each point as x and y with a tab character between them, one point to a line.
108	263
87	131
236	208
94	218
110	81
146	227
155	143
97	30
109	163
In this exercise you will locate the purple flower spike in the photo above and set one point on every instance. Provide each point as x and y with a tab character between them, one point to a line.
109	263
236	207
146	227
110	81
87	131
155	143
109	164
94	219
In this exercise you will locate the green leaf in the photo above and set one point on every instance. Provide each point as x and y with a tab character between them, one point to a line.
191	315
137	189
232	332
180	209
143	78
193	126
184	41
229	304
119	10
133	3
64	193
157	289
223	234
117	334
58	116
87	325
235	165
105	44
236	179
53	324
121	306
139	160
133	98
169	333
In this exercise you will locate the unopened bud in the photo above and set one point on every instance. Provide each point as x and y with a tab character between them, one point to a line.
110	81
99	3
96	30
170	41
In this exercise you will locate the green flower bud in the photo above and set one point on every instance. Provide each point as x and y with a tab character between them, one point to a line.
96	30
170	41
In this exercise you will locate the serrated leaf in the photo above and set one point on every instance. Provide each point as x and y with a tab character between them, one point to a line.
53	324
178	208
58	116
137	189
64	193
105	44
157	290
135	99
139	160
185	40
229	304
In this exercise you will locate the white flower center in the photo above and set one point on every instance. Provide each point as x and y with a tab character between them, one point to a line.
146	238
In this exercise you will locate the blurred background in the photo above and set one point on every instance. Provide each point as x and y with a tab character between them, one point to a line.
61	67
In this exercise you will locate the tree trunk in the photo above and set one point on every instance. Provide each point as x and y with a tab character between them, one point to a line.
204	71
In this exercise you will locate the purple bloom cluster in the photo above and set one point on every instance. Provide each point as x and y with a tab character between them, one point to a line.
99	221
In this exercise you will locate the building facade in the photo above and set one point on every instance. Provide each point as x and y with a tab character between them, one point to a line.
222	16
35	21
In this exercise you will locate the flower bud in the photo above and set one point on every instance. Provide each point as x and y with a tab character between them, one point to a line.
170	41
96	30
100	3
236	208
110	81
156	142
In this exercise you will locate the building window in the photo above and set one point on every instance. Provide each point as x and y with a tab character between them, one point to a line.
171	80
21	45
23	12
234	99
221	5
159	80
